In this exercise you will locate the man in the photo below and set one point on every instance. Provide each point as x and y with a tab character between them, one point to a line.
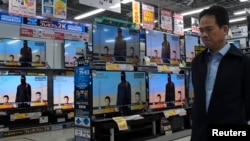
123	94
11	58
138	103
107	101
26	55
106	56
11	61
165	50
38	100
6	103
108	108
221	78
179	99
159	103
38	59
156	59
133	58
66	104
23	95
6	99
170	92
120	47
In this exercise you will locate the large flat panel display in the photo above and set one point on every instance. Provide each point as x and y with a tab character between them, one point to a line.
12	53
72	51
8	87
111	43
63	92
166	90
109	91
190	43
163	47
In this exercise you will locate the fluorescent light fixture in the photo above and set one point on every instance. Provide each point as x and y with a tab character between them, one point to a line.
89	14
155	21
126	1
194	11
187	29
35	51
240	12
119	4
128	38
12	42
110	41
237	19
67	45
243	0
105	30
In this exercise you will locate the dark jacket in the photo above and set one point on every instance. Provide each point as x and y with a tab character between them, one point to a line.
230	100
23	93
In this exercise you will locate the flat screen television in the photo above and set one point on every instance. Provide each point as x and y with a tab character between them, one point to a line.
109	94
11	53
162	93
72	51
236	43
111	43
190	42
8	87
163	47
63	92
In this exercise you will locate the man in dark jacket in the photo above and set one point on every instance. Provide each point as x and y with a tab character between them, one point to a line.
221	79
23	94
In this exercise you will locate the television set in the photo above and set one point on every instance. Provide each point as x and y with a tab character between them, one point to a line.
190	42
163	47
236	43
163	94
63	92
11	54
9	84
72	51
111	43
108	92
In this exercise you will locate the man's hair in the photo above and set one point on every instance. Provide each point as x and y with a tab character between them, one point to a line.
107	97
106	47
6	96
132	48
220	13
38	93
159	95
11	55
38	55
155	51
66	97
137	93
179	92
174	51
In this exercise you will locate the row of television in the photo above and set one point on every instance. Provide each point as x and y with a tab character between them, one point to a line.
111	90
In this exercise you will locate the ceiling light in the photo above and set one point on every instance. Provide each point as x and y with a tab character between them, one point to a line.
126	1
89	14
243	0
237	19
240	12
187	29
119	4
193	11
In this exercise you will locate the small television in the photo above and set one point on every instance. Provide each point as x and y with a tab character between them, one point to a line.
111	43
163	94
236	43
11	54
9	84
63	92
72	51
163	47
110	95
190	42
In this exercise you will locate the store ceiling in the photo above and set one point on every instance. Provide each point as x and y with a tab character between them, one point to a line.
75	9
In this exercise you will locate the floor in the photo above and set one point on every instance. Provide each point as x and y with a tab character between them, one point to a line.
58	135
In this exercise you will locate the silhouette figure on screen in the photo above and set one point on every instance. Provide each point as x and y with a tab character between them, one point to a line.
23	94
165	50
124	94
170	92
120	46
26	55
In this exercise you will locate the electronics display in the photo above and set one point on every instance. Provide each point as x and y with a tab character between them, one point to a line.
111	43
107	97
158	89
10	52
72	51
63	92
8	87
190	43
154	44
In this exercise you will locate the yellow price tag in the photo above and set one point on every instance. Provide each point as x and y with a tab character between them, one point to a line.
112	67
21	115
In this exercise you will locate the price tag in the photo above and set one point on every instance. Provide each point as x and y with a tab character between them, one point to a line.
121	122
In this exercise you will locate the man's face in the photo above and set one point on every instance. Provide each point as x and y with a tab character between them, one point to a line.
11	58
156	54
106	51
212	35
158	99
137	98
66	100
37	58
132	51
38	97
5	100
107	102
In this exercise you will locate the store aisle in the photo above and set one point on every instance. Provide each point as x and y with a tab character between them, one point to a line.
57	135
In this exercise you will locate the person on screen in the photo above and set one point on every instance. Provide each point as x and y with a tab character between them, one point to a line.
174	55
165	50
120	46
179	99
108	108
23	94
192	56
133	58
11	58
123	94
66	104
106	56
11	61
159	103
6	99
6	103
74	59
156	59
26	55
138	103
170	92
39	101
38	59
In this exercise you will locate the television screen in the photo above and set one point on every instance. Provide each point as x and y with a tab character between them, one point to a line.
163	47
63	92
235	42
12	53
111	43
190	43
112	89
166	90
190	89
72	51
9	91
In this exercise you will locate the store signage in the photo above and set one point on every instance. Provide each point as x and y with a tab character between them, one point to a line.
239	31
166	20
26	32
52	24
22	7
55	8
10	18
115	22
111	5
148	16
195	25
30	21
178	24
136	12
